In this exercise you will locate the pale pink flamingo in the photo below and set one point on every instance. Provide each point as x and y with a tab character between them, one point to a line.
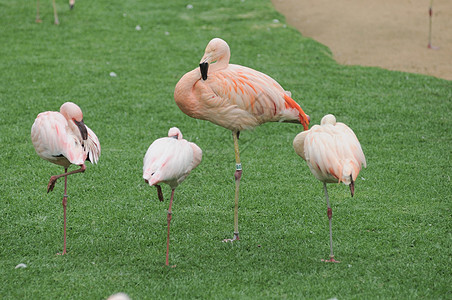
55	14
333	154
169	160
63	139
236	98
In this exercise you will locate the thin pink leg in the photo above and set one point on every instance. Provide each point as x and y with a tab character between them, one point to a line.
330	216
169	221
55	15
38	20
64	214
54	178
430	14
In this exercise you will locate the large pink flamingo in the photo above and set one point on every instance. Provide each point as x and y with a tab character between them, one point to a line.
333	154
55	14
236	98
63	139
169	160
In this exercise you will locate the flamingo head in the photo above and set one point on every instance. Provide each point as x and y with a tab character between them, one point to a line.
328	119
74	116
218	51
174	132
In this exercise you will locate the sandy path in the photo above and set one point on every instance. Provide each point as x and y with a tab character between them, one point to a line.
392	34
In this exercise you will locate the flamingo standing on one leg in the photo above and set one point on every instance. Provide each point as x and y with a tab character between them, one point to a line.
55	14
333	154
170	160
236	98
63	139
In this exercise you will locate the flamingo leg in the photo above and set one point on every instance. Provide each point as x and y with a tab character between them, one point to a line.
55	15
38	20
430	13
64	214
330	216
169	221
237	176
54	178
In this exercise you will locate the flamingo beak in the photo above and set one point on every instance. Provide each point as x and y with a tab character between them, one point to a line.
204	66
81	126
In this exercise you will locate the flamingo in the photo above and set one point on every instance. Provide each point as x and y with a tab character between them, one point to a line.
63	139
236	98
333	154
55	15
169	160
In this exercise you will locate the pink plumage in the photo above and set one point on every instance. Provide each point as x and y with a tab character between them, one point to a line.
234	97
169	160
331	150
333	154
63	139
57	137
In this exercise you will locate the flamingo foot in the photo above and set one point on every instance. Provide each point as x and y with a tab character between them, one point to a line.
332	260
235	238
172	267
64	252
51	184
432	47
38	20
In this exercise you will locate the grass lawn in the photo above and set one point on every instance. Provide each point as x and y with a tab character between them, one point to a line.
394	238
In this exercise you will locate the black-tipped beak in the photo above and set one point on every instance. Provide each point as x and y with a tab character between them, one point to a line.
204	66
81	126
71	6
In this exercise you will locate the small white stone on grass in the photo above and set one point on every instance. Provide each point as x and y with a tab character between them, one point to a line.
119	296
113	74
189	6
21	266
138	27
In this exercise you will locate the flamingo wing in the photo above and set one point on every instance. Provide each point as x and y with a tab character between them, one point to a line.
246	96
92	146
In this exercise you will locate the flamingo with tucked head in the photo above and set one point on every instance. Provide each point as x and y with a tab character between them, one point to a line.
63	139
169	160
236	98
334	155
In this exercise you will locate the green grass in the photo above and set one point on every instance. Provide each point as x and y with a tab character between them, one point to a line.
394	239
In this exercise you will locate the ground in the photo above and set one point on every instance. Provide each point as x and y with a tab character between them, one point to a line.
384	33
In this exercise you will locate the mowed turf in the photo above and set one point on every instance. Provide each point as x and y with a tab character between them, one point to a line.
394	238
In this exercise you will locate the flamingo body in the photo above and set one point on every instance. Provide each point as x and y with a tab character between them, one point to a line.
236	98
233	96
169	160
331	150
333	154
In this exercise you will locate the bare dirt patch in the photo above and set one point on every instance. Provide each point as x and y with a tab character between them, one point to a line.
392	34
